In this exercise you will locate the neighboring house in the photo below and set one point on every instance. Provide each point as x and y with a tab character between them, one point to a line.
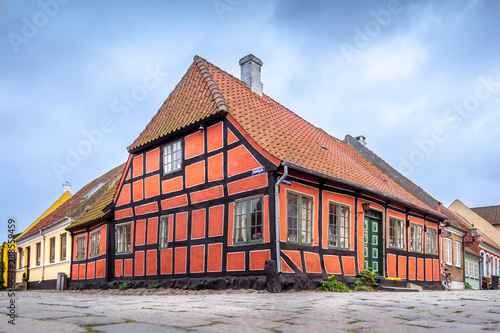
45	248
471	269
27	245
484	243
452	249
480	223
223	178
454	229
490	214
91	237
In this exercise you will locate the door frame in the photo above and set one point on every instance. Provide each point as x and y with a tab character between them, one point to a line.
378	216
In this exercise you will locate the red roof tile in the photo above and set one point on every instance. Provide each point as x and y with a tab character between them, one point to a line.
206	90
78	204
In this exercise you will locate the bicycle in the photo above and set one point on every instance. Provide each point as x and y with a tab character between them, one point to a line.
446	279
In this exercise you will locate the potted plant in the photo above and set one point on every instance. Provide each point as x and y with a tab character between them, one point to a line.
257	235
25	279
486	282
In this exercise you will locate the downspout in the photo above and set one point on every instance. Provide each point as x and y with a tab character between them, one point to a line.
42	261
277	215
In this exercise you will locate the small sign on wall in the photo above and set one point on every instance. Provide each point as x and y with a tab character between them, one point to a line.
446	234
286	182
258	171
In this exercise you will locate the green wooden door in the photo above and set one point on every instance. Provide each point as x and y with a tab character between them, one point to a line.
373	245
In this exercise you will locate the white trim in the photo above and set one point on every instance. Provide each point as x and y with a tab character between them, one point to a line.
458	254
46	230
454	231
489	248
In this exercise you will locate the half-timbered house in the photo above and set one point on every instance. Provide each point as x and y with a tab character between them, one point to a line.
224	178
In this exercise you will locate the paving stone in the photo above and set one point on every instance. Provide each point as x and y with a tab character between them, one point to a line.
232	328
90	321
455	311
135	327
39	326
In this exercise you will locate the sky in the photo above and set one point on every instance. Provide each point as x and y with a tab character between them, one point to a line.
79	80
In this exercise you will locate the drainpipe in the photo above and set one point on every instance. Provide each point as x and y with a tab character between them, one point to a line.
277	215
42	259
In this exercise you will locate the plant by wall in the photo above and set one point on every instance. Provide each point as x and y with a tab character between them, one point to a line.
332	284
367	279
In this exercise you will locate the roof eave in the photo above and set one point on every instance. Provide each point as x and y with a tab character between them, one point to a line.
367	189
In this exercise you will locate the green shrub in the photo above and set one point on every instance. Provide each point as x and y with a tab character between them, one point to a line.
184	288
367	279
332	284
358	285
124	286
154	286
468	286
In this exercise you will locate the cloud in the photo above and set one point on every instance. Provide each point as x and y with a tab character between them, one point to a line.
398	57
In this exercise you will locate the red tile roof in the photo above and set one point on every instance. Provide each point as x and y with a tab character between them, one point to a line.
78	204
206	90
489	213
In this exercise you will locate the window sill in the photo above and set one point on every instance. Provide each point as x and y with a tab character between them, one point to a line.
297	243
247	243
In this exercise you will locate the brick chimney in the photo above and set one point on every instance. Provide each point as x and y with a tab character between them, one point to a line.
250	73
66	187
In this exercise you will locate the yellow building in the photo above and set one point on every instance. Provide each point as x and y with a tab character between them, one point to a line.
27	242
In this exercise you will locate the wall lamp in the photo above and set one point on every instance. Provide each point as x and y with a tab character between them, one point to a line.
473	233
366	207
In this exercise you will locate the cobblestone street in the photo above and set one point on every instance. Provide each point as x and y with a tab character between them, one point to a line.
243	311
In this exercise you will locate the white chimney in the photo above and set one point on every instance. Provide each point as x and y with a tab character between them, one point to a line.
250	73
66	187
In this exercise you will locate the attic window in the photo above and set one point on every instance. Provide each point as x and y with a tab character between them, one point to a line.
92	191
322	146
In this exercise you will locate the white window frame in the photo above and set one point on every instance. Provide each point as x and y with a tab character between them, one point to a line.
164	232
63	246
123	244
449	252
95	244
458	254
476	271
172	157
431	240
305	234
246	226
80	247
339	226
38	254
398	227
466	268
416	237
52	251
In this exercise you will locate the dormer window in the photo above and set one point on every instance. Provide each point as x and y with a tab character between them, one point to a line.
92	191
172	157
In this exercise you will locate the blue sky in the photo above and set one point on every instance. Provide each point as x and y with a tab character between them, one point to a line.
80	80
